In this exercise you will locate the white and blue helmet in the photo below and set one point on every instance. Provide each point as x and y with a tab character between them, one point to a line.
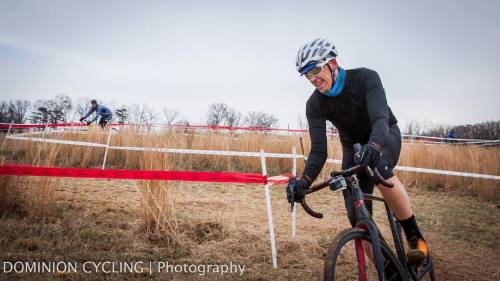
317	51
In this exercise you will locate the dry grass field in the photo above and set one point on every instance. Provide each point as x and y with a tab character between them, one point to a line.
46	219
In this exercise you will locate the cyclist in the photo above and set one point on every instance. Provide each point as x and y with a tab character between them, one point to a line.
355	102
100	110
452	135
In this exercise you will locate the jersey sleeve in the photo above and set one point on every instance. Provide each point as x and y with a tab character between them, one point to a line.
88	113
378	111
317	133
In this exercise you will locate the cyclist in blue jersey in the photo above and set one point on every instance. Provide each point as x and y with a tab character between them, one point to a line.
354	101
100	111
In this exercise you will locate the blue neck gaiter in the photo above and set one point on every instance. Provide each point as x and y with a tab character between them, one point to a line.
338	85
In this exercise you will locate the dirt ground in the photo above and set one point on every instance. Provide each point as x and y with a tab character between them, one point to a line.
100	220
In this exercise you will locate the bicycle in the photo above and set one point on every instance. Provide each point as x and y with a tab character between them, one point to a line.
365	229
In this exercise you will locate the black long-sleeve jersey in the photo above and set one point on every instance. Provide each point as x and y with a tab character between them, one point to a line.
360	113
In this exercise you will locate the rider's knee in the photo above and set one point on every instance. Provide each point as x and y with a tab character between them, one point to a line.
385	169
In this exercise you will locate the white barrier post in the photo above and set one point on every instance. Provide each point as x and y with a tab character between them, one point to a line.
39	150
45	130
107	148
294	173
269	211
8	131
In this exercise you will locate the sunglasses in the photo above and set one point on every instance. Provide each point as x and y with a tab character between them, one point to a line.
316	70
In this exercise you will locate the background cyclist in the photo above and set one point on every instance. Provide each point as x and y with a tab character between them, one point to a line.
100	111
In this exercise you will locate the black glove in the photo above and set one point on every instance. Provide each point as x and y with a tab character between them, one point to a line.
296	189
89	122
81	119
369	155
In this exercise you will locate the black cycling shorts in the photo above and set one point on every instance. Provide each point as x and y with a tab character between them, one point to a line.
386	164
104	120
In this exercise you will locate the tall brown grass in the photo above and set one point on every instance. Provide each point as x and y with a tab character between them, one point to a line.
30	196
157	204
82	156
471	159
446	157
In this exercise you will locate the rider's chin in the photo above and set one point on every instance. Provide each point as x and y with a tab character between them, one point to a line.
323	90
324	87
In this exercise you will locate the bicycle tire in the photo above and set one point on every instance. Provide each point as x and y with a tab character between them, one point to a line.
351	235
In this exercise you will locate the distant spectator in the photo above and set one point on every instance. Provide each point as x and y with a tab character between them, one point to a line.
452	135
100	110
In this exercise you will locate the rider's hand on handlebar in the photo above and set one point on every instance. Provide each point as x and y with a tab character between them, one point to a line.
368	156
296	189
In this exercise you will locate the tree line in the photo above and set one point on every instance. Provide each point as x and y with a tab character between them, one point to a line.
63	109
489	130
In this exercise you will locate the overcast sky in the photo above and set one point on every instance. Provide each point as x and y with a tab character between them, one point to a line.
438	60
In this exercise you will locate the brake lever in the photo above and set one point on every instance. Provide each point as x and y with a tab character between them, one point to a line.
372	173
369	171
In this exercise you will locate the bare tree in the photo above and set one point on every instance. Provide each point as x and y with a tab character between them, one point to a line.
62	108
81	106
150	114
260	119
415	127
410	128
141	114
4	112
136	114
52	110
42	112
20	109
170	115
233	117
185	124
221	114
122	115
14	111
217	113
489	130
182	122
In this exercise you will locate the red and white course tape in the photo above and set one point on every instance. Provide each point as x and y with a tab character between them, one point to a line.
241	153
19	170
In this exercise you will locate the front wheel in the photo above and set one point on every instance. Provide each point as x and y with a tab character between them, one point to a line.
346	259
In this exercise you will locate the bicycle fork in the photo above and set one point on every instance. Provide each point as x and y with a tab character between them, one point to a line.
364	222
376	249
